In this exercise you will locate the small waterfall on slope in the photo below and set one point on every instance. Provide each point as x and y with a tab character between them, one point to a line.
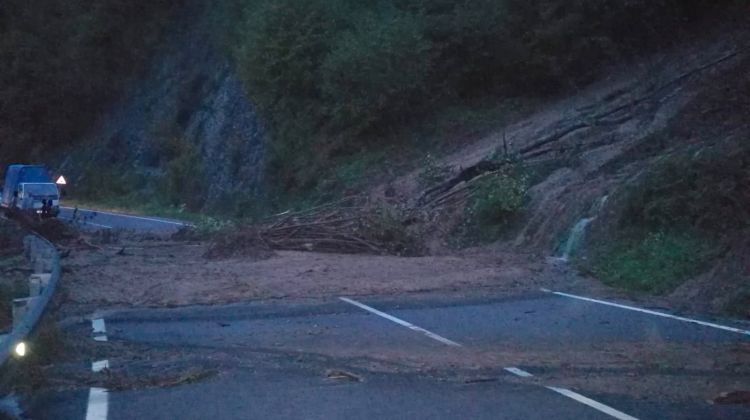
575	238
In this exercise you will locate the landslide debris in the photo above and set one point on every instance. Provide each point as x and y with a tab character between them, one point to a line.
350	226
243	243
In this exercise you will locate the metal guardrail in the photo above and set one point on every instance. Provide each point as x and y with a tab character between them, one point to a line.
45	262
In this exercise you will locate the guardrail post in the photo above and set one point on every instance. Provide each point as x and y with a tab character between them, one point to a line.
20	307
37	283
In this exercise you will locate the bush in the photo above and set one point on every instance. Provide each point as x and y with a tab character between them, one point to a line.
498	197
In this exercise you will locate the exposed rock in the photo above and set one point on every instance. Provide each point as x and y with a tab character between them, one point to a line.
192	94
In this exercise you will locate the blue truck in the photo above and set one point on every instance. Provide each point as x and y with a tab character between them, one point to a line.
29	188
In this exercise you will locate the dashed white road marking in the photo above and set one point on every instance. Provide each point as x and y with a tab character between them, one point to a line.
519	372
514	370
99	366
650	312
99	329
98	404
593	404
401	322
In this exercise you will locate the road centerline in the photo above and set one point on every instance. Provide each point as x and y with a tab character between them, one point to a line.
593	404
513	370
650	312
401	322
518	372
99	329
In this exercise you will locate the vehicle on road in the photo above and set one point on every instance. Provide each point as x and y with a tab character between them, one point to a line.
29	188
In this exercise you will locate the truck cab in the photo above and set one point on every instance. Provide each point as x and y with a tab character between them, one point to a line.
30	188
40	198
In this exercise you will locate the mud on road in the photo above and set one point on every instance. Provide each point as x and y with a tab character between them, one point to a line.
155	272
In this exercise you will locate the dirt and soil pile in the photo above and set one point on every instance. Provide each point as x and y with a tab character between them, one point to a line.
245	242
52	229
158	272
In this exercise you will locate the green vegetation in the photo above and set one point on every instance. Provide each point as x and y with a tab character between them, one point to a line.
63	62
495	202
653	262
335	77
677	219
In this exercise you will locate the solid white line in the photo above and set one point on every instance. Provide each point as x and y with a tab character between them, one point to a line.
519	372
401	322
655	313
100	366
150	219
97	225
98	404
89	223
593	404
98	327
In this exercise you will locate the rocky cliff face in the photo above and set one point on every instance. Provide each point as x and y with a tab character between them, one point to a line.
189	96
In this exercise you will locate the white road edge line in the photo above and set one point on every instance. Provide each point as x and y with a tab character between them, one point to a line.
519	372
97	225
150	219
401	322
98	404
650	312
593	404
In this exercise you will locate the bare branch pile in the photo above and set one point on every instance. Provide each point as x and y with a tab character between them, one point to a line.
339	227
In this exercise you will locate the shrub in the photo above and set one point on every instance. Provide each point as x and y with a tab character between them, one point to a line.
498	197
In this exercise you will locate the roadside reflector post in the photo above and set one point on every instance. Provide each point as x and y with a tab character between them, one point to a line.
20	307
37	283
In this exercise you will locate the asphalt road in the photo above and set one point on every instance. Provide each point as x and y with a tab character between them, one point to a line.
436	356
274	360
97	220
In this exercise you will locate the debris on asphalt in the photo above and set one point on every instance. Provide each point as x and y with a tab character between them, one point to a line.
338	374
733	397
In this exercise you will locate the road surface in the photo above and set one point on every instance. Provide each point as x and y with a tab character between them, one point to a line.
538	355
98	219
275	360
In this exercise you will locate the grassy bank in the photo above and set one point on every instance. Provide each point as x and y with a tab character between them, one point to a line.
690	208
653	262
